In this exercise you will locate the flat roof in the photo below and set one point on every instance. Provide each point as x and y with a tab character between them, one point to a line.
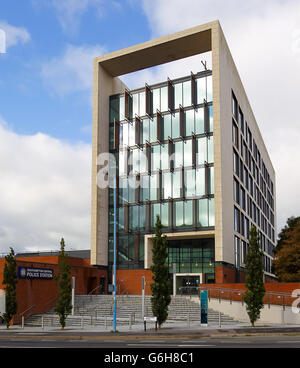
179	45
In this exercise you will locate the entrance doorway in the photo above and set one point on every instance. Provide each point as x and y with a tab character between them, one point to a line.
187	284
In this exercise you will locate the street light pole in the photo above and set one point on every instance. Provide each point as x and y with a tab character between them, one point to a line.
115	255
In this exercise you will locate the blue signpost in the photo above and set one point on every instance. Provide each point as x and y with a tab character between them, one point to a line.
204	304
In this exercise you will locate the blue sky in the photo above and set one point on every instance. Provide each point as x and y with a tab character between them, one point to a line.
41	108
46	98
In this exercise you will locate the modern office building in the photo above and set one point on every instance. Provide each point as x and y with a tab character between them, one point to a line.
189	150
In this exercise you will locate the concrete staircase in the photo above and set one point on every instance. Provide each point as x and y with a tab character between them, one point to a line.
97	310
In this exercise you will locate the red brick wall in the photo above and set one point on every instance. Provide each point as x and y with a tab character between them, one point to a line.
130	281
40	292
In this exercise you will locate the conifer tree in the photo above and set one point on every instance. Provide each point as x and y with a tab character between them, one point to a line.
63	279
254	278
161	291
10	280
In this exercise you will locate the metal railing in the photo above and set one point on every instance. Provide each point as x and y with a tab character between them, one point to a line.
270	298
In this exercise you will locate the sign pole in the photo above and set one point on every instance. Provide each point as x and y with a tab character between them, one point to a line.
143	297
73	294
174	279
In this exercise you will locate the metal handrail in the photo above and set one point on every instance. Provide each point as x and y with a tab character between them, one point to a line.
26	310
98	287
50	301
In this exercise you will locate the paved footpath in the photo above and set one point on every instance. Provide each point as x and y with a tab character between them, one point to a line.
169	329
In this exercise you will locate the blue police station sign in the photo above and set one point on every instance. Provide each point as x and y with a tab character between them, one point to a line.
35	273
204	303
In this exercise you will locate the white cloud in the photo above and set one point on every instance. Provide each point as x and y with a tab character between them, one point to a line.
73	71
44	192
264	38
69	12
14	35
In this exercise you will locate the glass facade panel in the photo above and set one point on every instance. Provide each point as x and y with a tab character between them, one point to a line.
155	100
146	130
201	150
200	182
167	185
164	155
189	122
188	157
165	214
177	95
122	108
143	161
197	182
123	190
199	120
178	214
153	187
114	109
145	188
188	213
210	149
131	189
167	127
209	91
131	133
203	212
155	157
190	183
201	90
176	125
211	211
164	99
155	210
187	93
142	101
176	184
211	188
178	150
153	129
211	119
135	104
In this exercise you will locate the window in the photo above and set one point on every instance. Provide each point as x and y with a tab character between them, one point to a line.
237	251
203	212
236	163
235	135
177	95
199	120
201	90
189	122
188	157
167	127
236	191
187	93
236	220
176	125
234	107
190	183
200	182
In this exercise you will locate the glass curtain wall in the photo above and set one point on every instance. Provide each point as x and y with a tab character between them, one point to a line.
162	137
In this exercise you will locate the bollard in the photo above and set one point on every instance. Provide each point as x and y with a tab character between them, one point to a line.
144	325
189	322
